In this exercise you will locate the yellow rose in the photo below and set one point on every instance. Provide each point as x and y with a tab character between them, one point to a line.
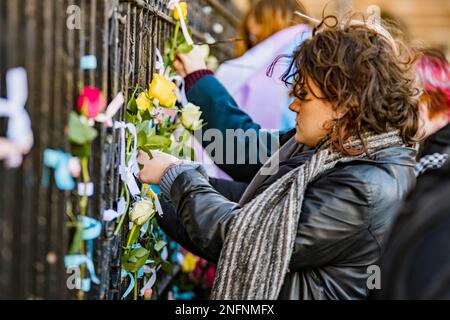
143	102
184	10
149	194
163	90
189	263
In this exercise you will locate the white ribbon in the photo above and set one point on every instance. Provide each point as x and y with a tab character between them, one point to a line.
129	170
175	4
111	214
159	65
86	189
144	228
151	282
180	90
158	206
19	131
113	108
165	254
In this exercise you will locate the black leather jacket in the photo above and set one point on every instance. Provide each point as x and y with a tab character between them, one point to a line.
345	213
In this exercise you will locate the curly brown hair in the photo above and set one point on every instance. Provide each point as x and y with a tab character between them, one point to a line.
364	75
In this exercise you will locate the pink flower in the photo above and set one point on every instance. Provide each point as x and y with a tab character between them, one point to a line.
148	294
209	277
197	273
91	102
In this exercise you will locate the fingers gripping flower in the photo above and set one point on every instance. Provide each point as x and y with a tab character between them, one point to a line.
142	212
163	90
190	117
184	10
91	102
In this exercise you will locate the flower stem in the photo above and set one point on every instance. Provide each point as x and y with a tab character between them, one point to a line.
127	193
174	42
131	235
86	178
122	218
83	211
135	286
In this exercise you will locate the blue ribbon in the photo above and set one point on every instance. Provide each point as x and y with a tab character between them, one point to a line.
176	250
182	296
91	230
59	161
88	62
76	260
156	189
130	286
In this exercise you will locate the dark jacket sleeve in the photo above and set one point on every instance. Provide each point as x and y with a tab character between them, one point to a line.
331	216
221	112
172	226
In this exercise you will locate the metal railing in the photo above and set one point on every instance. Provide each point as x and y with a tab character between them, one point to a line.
123	35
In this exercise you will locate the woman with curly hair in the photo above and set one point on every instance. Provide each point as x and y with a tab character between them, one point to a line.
314	231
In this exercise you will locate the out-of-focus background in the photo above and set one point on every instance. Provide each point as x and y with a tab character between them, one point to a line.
427	22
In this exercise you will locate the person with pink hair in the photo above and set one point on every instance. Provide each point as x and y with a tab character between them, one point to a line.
433	75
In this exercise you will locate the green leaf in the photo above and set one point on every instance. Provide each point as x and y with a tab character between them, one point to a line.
185	48
77	240
167	267
81	151
158	142
130	118
146	116
139	117
132	105
144	126
135	259
80	133
133	235
160	245
141	138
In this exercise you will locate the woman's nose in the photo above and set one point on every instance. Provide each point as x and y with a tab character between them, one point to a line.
294	107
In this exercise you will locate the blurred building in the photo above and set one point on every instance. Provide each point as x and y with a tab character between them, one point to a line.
427	21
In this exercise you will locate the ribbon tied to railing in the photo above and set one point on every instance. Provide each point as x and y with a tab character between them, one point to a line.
19	132
128	170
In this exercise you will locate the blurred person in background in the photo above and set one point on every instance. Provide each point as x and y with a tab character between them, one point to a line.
269	29
415	263
433	75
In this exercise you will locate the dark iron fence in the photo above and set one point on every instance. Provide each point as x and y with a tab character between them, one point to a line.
123	35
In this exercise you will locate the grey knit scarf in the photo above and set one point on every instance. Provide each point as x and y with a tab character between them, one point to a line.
259	243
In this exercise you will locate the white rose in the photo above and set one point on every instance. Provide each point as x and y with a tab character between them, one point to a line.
212	63
190	117
142	212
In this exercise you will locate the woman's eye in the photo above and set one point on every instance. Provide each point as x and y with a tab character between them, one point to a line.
302	96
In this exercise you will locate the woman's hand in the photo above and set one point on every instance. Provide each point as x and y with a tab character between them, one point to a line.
190	62
155	168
